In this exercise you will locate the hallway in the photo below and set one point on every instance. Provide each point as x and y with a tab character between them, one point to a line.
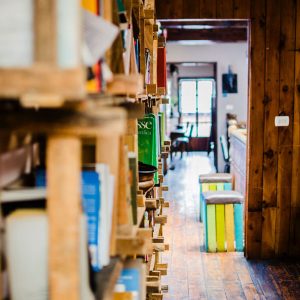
195	274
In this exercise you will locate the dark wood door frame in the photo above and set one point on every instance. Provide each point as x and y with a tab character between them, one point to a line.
214	121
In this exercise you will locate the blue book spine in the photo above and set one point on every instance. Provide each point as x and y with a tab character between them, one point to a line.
90	195
130	278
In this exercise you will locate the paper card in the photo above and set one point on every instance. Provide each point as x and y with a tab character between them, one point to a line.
98	36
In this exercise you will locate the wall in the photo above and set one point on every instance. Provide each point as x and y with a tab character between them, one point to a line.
234	54
273	154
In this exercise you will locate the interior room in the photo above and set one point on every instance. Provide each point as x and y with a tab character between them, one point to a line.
149	150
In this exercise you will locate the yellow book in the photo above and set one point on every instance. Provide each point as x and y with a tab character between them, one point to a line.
90	5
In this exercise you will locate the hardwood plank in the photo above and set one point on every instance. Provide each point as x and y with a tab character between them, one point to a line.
271	132
63	205
295	201
285	142
268	234
208	9
191	8
241	9
234	290
256	130
225	9
228	268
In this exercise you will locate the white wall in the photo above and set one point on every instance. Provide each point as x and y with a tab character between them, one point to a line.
234	54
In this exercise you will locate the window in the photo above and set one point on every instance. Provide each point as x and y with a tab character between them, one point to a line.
195	104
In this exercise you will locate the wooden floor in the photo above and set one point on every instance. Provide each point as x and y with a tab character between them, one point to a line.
194	274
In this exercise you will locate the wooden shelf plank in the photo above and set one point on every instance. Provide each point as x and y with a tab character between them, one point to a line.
49	84
86	121
22	194
140	215
141	244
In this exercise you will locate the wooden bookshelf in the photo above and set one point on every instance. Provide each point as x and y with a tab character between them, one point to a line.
50	104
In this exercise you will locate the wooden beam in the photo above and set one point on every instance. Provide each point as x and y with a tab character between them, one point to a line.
295	201
285	134
217	35
255	146
181	23
64	210
271	132
44	82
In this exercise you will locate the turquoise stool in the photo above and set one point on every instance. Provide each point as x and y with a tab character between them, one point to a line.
223	221
213	182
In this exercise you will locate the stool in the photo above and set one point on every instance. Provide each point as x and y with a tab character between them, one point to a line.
213	182
223	221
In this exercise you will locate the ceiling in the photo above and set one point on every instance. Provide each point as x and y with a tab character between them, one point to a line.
219	31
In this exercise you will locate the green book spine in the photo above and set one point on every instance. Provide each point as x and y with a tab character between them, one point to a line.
145	140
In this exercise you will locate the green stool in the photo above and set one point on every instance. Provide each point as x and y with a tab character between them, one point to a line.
223	221
213	182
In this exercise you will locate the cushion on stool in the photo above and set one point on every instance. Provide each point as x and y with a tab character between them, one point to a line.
215	178
222	197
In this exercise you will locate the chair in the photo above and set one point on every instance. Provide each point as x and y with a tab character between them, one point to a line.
182	143
225	153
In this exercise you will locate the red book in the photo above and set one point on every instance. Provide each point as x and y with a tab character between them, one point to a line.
161	67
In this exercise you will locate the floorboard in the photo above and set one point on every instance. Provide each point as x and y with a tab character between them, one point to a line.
194	274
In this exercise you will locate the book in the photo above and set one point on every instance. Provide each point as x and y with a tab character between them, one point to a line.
131	281
147	141
107	196
133	170
97	193
161	67
91	203
27	255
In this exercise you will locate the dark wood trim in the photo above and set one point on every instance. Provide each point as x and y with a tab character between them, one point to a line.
225	35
